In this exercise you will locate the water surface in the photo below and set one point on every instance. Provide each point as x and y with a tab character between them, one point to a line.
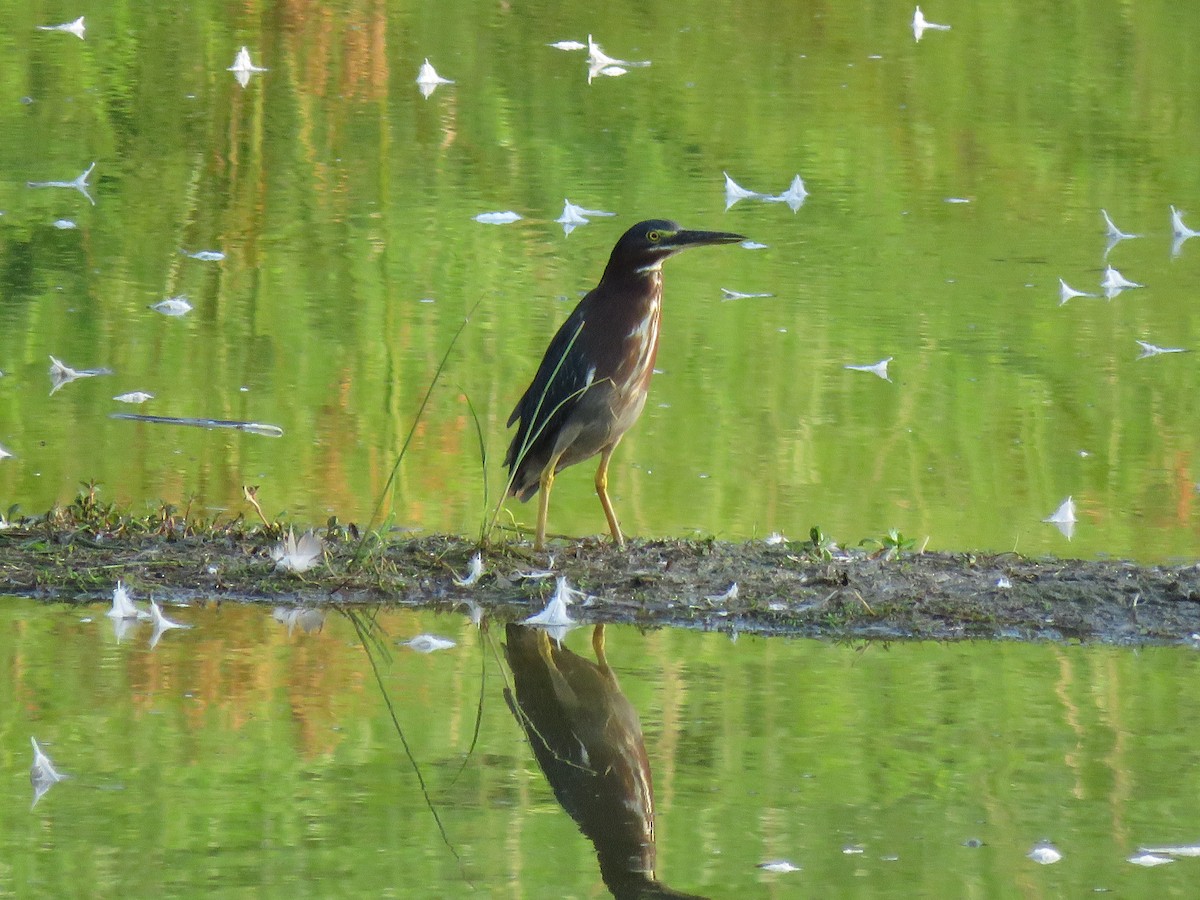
238	756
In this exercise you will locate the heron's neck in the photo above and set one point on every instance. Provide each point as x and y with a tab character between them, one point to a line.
644	284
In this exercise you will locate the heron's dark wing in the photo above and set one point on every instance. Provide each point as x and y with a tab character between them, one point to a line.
549	400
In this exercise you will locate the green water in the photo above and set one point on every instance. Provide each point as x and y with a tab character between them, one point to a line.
240	759
344	202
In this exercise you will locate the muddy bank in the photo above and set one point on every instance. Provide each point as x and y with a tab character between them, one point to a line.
785	588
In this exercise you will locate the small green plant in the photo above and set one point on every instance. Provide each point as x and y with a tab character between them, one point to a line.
890	545
87	510
818	548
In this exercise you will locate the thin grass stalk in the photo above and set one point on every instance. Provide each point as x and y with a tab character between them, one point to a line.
387	486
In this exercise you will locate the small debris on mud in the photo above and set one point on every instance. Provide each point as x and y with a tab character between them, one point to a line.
784	588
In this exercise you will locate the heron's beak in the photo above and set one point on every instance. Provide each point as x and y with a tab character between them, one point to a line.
685	238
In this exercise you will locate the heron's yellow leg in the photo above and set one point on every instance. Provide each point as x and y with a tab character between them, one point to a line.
546	481
602	493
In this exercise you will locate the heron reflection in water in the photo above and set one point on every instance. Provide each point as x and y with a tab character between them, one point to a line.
587	739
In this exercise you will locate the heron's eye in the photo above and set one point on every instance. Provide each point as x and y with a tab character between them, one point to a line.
653	237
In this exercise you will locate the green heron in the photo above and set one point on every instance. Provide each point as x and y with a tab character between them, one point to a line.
592	383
